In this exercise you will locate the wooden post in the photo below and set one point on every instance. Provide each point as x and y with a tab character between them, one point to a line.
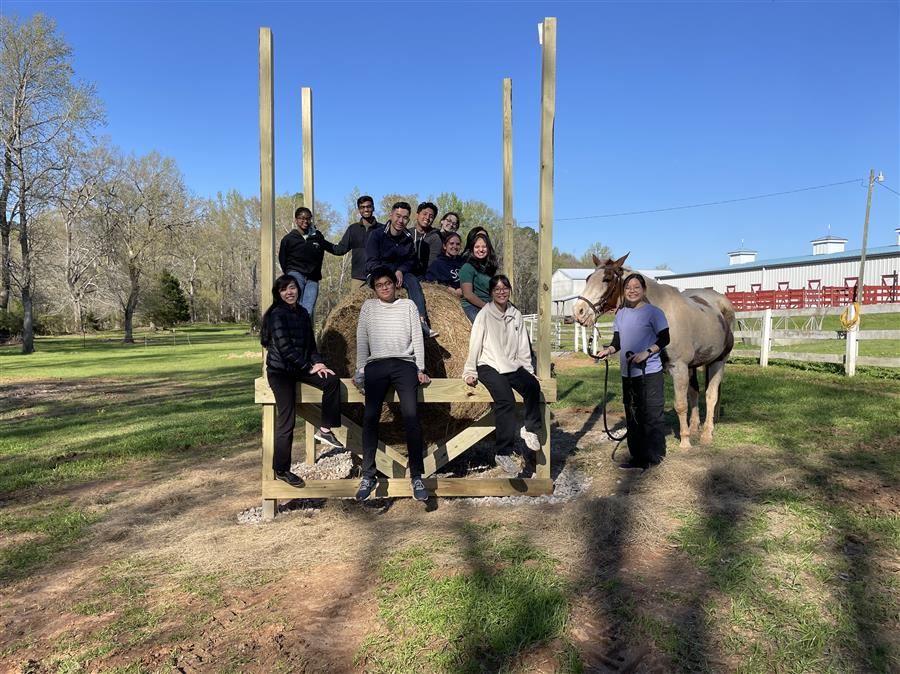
545	217
309	200
267	233
852	351
765	341
860	282
508	265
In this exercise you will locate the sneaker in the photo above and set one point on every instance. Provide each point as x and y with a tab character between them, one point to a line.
291	478
631	465
366	486
428	332
418	490
327	438
507	464
531	440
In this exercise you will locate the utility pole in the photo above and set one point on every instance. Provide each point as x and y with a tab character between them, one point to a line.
865	238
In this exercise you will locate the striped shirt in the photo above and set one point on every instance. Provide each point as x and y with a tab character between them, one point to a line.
389	331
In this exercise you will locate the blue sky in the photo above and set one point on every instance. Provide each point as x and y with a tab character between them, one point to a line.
659	104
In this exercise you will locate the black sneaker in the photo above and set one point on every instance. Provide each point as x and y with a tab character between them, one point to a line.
418	489
291	478
366	486
327	438
631	465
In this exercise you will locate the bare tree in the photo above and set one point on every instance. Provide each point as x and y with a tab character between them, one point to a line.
43	112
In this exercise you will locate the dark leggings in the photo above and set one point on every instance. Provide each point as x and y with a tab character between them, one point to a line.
284	386
403	376
645	401
501	388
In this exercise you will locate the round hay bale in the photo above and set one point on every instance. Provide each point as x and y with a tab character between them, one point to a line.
445	357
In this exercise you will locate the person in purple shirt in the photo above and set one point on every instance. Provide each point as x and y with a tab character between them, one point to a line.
640	333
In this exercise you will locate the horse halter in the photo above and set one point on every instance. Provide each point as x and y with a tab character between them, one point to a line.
610	298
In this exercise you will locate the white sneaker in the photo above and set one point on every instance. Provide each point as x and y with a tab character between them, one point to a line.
531	440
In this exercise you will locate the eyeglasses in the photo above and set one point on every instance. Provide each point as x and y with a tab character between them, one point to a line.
501	290
303	217
383	285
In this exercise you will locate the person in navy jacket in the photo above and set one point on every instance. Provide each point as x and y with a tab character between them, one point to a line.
445	269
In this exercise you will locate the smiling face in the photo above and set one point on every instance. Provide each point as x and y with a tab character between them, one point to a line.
289	294
634	291
480	249
452	246
424	218
385	289
500	294
303	221
399	220
366	210
449	223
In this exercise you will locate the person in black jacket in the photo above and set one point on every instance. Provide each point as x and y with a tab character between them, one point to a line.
292	358
300	256
426	239
356	235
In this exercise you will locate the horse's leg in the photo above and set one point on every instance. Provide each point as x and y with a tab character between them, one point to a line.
693	398
714	373
680	382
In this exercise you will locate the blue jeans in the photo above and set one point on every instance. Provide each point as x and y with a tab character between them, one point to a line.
471	311
309	293
414	289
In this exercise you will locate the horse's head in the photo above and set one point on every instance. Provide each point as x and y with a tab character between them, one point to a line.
602	291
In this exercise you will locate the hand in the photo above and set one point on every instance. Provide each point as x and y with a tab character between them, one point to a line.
603	353
359	381
399	276
424	379
471	381
322	370
640	357
456	292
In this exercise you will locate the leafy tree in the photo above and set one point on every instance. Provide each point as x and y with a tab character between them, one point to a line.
167	304
44	114
601	251
564	260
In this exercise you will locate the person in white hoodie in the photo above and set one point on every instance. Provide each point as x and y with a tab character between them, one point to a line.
500	357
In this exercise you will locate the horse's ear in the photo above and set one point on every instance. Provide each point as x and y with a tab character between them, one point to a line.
621	260
597	260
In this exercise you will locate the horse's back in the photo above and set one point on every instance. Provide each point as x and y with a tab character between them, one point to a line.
714	299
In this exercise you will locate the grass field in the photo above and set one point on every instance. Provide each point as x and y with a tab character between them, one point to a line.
123	468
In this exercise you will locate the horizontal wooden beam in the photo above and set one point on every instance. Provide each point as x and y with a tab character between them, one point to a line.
438	391
451	486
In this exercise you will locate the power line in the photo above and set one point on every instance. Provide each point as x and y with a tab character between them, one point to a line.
889	189
701	205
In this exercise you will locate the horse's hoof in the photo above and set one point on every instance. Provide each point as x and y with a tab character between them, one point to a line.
705	439
685	444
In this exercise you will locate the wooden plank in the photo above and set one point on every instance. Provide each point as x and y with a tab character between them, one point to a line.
808	357
878	361
545	216
542	460
508	241
309	200
388	460
438	391
309	444
401	487
268	452
445	452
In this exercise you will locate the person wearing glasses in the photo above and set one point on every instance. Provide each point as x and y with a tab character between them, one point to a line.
390	352
450	222
300	255
393	247
356	235
500	358
445	269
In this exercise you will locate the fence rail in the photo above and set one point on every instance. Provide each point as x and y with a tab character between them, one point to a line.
831	296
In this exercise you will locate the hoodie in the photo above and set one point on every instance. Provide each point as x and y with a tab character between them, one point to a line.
498	339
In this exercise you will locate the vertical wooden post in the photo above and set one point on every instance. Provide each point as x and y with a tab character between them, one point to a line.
765	341
852	351
267	233
508	264
545	217
309	200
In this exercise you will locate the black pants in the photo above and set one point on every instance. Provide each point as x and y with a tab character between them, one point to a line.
284	386
501	389
645	401
403	376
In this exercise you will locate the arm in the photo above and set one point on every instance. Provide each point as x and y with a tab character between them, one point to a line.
476	345
434	248
342	247
282	256
611	349
418	341
469	295
362	337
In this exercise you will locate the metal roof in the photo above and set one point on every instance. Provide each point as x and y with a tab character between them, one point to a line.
878	251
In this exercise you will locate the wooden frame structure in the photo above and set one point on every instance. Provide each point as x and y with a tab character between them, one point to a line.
389	461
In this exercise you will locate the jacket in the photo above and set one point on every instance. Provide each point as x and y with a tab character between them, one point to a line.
445	270
499	340
428	246
354	242
288	335
385	250
304	253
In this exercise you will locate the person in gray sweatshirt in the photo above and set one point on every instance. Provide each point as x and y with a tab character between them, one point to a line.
390	352
500	358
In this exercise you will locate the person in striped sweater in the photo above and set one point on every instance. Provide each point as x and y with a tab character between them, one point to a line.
390	351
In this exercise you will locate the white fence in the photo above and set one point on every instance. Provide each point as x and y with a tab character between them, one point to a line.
564	334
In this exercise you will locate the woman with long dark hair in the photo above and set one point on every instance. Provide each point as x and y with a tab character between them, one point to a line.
475	275
287	332
640	333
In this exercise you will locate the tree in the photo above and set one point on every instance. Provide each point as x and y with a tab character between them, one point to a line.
43	114
601	251
167	305
564	260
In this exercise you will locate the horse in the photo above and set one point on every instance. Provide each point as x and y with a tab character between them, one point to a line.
701	323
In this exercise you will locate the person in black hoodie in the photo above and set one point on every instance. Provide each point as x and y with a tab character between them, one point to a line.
287	332
300	256
354	239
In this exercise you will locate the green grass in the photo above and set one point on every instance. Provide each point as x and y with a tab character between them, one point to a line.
504	597
870	321
878	348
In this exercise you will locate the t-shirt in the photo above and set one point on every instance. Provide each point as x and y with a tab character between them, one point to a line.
638	329
480	283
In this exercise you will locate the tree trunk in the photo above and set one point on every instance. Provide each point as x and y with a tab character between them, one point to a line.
5	260
131	304
27	279
78	312
28	321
